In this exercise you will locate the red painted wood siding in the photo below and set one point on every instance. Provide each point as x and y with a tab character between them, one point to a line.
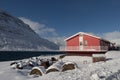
91	41
74	41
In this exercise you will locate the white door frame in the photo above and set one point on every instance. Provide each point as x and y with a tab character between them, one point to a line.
81	42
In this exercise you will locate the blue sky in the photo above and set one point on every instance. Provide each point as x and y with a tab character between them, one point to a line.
66	17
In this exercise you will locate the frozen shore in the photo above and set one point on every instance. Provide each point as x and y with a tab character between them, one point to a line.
109	70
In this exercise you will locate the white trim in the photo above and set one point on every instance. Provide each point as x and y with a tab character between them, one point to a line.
72	36
85	48
81	41
85	34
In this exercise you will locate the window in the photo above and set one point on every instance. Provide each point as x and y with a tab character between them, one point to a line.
85	43
80	43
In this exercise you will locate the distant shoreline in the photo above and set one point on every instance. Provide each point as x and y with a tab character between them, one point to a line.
17	55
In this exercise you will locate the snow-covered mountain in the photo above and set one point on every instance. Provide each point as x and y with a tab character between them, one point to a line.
16	35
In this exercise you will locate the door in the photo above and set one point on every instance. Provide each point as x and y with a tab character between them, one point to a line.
81	42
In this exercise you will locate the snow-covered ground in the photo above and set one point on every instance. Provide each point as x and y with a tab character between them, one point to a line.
109	70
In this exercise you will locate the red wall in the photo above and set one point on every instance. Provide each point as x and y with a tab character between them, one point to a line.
91	41
73	41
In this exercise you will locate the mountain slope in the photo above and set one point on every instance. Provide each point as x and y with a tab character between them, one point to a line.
16	35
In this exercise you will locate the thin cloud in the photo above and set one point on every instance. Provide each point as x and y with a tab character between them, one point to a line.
39	28
58	40
44	31
112	36
50	33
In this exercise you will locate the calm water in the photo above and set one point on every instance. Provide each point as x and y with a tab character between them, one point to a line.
16	55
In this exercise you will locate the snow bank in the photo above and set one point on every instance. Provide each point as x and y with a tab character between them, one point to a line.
94	77
113	54
78	59
98	55
109	70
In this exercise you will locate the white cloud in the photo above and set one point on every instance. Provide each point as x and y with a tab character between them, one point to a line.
112	36
58	40
44	31
50	33
39	28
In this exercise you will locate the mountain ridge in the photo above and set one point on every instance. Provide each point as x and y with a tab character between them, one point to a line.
16	35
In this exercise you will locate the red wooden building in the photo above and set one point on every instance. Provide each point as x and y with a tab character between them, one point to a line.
85	44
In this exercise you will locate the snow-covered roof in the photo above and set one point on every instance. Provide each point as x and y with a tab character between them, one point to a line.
85	34
98	55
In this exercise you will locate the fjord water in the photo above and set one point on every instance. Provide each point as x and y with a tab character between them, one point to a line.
17	55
